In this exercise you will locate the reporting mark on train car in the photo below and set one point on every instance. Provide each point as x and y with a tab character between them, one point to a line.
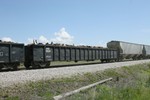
48	50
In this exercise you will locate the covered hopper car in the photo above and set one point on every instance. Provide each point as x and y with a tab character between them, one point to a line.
146	51
130	50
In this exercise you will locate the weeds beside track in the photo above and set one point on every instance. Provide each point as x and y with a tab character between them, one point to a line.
130	83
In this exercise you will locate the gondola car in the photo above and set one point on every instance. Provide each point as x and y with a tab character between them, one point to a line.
11	55
39	55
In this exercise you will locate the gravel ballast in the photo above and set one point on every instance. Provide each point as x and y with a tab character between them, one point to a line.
11	78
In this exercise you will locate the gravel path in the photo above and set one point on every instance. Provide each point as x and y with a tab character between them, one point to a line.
11	78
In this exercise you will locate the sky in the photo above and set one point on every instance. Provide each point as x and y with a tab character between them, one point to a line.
79	22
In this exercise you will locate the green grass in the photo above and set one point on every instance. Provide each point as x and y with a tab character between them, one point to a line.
129	83
134	85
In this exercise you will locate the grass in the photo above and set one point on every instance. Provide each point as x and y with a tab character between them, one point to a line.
129	83
134	84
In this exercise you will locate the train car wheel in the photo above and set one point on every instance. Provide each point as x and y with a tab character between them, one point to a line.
44	64
76	61
1	67
15	66
35	66
48	64
27	66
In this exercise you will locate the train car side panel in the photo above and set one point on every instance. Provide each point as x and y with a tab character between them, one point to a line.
93	54
38	54
62	54
86	54
82	50
90	55
17	53
4	53
77	54
48	53
68	54
56	53
73	54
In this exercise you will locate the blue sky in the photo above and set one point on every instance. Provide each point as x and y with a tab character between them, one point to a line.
90	22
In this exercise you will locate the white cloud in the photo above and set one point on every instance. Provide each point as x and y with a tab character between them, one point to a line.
8	39
30	40
63	36
43	39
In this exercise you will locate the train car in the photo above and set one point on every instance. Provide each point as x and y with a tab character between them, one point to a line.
75	53
108	55
11	55
127	50
146	51
82	53
37	56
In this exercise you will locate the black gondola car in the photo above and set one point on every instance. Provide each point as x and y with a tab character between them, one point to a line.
38	55
11	55
79	53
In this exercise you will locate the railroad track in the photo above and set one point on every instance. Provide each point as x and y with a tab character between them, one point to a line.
53	66
58	66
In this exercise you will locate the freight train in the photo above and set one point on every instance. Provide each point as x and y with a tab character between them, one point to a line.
40	55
